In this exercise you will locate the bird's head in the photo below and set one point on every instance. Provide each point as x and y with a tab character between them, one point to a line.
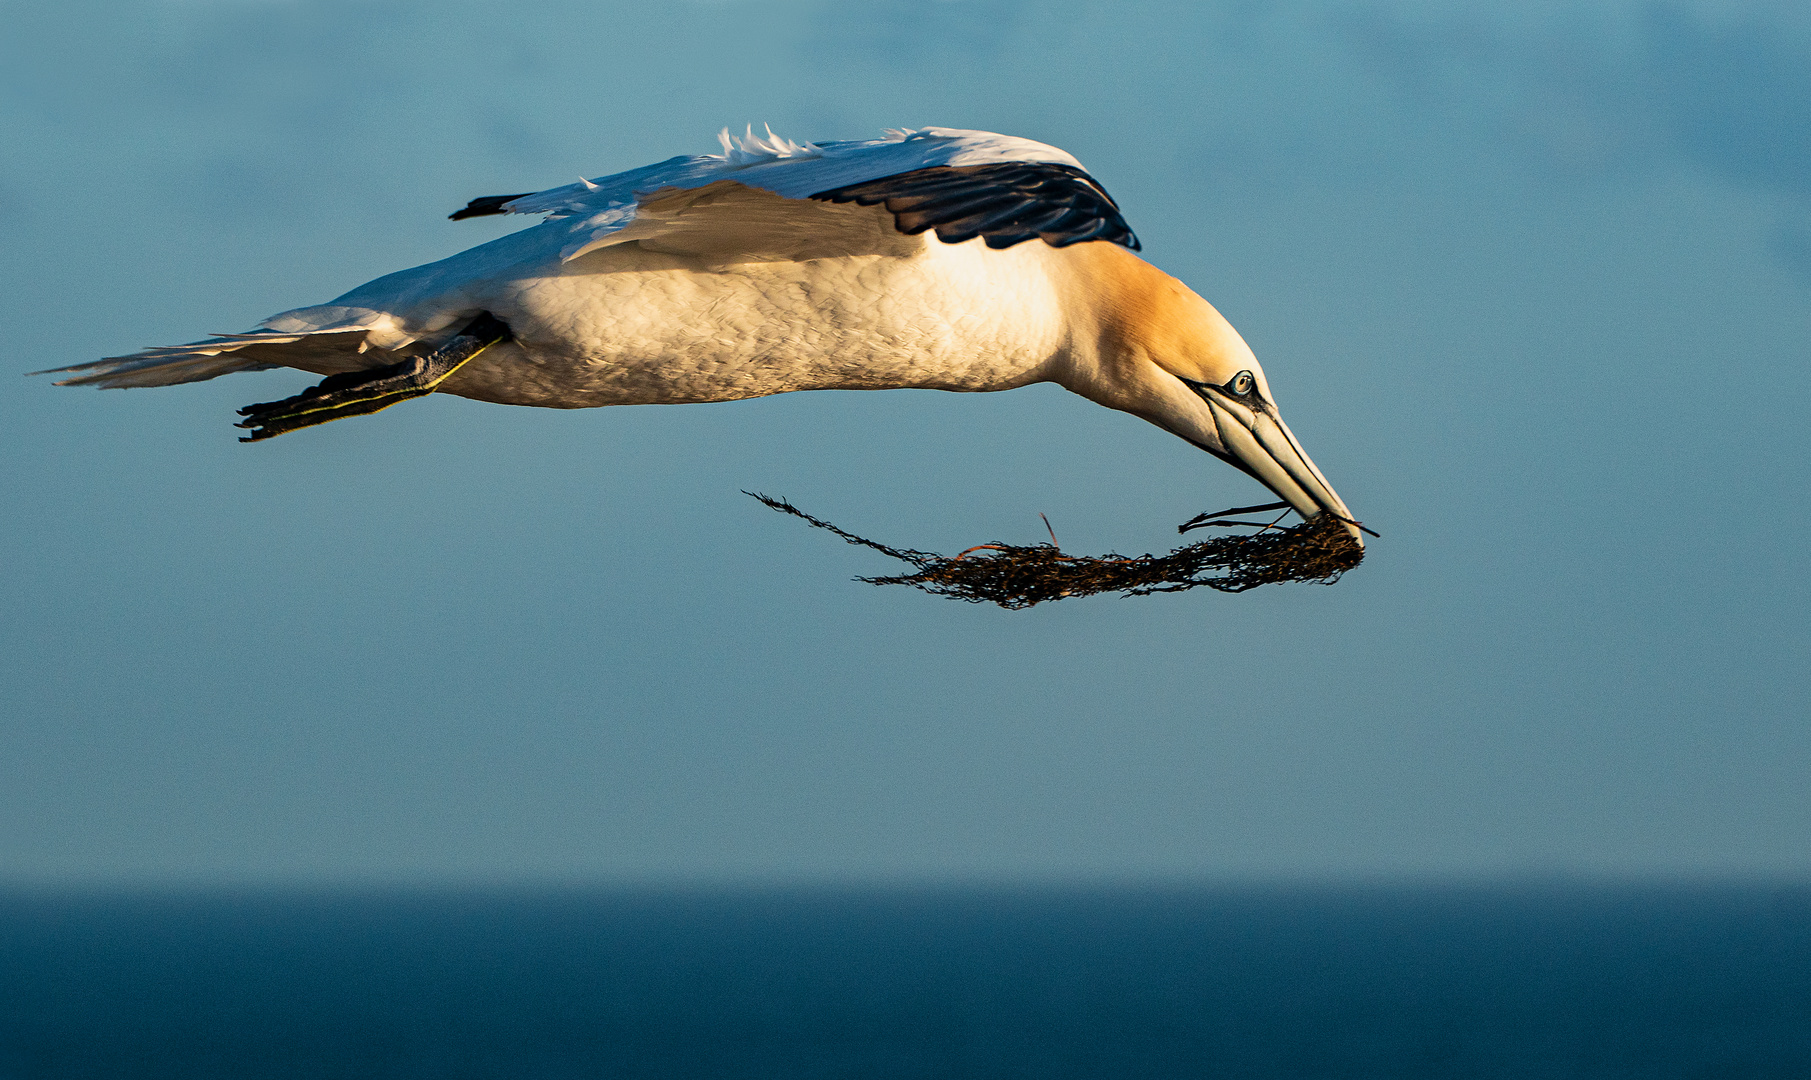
1168	356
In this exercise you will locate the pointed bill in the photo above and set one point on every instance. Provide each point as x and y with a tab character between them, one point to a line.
1259	441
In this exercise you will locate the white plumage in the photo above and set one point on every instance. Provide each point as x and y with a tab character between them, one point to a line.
604	211
778	266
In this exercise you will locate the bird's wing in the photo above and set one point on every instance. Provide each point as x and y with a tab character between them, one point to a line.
961	183
727	222
1008	203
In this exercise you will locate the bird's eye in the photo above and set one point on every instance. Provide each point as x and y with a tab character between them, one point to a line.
1241	384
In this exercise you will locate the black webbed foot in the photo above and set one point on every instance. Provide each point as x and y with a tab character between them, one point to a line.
356	393
353	393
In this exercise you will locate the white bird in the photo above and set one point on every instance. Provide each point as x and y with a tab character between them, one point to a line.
778	266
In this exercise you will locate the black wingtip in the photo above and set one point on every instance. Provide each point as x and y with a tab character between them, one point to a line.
1008	202
485	205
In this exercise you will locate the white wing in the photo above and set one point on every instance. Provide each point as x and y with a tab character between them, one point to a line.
597	210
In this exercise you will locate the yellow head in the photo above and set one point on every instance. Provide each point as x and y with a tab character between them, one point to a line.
1165	354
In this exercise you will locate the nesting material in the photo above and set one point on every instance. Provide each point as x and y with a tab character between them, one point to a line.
1015	576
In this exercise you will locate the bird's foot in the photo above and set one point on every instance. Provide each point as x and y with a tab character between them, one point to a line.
351	394
355	393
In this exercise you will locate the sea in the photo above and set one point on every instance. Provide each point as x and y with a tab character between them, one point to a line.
1520	981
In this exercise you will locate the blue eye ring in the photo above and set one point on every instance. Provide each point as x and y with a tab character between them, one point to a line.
1242	384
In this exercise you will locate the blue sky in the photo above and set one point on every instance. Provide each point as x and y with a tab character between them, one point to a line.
1532	287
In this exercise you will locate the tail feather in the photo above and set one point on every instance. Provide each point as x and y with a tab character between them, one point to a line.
324	340
168	366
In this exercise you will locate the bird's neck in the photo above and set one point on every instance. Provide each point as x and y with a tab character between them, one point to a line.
1131	322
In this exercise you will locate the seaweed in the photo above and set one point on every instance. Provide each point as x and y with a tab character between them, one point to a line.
1017	576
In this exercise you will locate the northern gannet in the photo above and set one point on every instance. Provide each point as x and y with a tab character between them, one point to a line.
776	266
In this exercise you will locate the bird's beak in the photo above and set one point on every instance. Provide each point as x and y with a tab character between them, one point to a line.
1257	441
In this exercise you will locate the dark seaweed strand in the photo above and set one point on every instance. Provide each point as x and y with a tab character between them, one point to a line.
916	558
1017	576
1006	202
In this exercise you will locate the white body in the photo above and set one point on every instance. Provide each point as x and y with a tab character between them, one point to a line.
660	320
693	279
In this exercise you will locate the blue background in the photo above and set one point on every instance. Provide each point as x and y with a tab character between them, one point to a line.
1532	286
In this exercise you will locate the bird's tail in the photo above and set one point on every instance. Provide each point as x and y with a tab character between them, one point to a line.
168	366
319	339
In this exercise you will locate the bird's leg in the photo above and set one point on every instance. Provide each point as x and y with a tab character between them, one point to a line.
356	393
